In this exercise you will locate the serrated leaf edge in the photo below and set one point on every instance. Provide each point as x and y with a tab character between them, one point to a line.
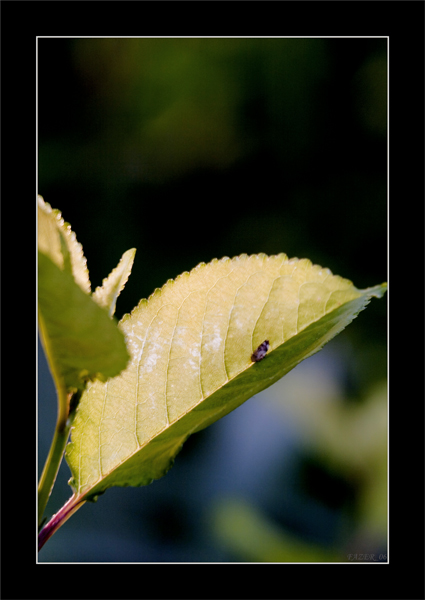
77	254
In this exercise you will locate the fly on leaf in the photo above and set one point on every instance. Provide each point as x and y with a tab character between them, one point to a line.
261	351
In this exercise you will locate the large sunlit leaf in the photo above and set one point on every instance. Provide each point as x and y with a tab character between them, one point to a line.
191	344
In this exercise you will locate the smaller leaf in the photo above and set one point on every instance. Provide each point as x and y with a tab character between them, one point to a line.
106	295
80	339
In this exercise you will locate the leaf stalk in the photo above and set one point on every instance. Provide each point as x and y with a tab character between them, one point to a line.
67	510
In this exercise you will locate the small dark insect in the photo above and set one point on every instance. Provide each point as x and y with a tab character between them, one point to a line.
261	351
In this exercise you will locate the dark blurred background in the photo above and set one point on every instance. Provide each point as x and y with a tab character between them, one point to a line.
194	149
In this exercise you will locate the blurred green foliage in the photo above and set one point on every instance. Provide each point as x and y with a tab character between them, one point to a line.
344	467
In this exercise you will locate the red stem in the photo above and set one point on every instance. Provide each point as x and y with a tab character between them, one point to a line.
59	519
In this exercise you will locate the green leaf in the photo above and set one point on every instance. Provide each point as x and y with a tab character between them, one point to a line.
112	286
80	339
191	344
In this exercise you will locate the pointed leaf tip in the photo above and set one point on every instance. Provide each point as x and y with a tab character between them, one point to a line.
106	295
